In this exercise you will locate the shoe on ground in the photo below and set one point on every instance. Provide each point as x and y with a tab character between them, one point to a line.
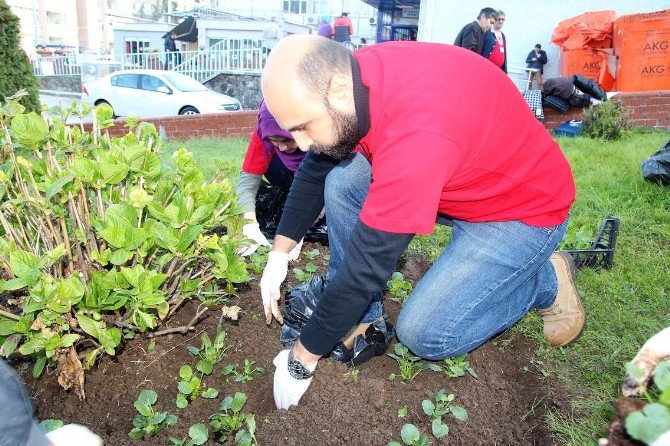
564	321
375	342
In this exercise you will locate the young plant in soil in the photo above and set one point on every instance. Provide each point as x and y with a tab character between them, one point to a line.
247	373
313	254
457	366
98	236
231	421
147	422
210	353
654	419
198	434
258	260
189	388
411	437
410	365
399	288
441	407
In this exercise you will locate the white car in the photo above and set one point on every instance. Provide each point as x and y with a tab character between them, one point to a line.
150	93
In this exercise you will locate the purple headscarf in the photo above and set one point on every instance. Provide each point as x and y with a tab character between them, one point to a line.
267	126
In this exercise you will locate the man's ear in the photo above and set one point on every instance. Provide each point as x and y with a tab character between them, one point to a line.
341	92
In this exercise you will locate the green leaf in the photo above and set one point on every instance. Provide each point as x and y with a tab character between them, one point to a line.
410	434
136	434
210	393
89	325
662	375
38	368
83	169
237	272
459	413
6	326
439	428
57	186
239	400
649	423
428	407
120	257
121	214
434	367
143	409
164	237
50	425
204	366
394	443
181	401
198	433
29	129
115	236
193	350
148	397
17	284
24	264
184	387
187	237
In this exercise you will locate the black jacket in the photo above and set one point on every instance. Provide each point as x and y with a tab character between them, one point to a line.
169	44
471	37
489	43
539	63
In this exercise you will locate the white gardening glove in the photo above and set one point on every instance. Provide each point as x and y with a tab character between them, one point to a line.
273	275
73	434
253	232
295	252
287	389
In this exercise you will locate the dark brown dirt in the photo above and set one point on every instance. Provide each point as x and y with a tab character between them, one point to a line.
506	405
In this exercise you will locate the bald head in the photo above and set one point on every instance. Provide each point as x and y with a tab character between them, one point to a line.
308	87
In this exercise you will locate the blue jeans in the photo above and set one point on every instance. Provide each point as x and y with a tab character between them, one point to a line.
488	276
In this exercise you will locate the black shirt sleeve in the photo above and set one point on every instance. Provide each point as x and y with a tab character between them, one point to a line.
305	199
369	261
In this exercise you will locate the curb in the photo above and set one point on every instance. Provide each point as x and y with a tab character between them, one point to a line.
71	94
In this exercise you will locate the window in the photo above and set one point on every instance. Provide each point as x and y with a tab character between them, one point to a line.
136	44
126	80
152	83
54	18
295	6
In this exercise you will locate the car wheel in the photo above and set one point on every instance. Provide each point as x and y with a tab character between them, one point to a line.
114	115
189	111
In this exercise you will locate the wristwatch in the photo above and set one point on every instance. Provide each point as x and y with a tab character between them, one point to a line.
297	369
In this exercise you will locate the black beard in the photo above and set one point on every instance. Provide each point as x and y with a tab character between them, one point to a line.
346	135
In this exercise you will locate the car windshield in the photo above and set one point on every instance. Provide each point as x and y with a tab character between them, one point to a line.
184	83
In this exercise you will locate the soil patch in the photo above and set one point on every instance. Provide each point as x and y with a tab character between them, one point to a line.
506	405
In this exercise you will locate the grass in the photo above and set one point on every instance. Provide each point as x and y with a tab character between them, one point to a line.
212	153
625	305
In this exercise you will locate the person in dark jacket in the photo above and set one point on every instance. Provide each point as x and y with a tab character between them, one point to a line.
536	59
170	47
471	36
495	43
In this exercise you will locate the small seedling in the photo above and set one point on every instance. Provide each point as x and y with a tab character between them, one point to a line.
438	409
311	255
151	347
402	412
399	288
410	365
301	275
326	257
310	268
231	421
197	434
258	260
147	422
246	375
210	353
189	387
353	375
457	366
654	419
411	437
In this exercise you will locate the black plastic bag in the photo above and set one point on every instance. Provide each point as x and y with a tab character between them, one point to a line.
556	103
589	86
301	301
580	100
270	201
656	168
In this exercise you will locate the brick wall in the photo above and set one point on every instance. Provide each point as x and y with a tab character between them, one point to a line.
648	109
218	125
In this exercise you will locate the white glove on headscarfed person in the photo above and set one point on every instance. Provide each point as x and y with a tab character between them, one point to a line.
253	231
291	380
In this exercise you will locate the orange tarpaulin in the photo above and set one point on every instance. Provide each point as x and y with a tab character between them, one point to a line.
586	30
642	44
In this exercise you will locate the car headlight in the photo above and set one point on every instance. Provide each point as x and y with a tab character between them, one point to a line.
230	107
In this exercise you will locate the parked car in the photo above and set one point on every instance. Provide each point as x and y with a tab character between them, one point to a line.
150	93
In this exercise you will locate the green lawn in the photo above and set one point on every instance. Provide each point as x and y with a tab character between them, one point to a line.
625	305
